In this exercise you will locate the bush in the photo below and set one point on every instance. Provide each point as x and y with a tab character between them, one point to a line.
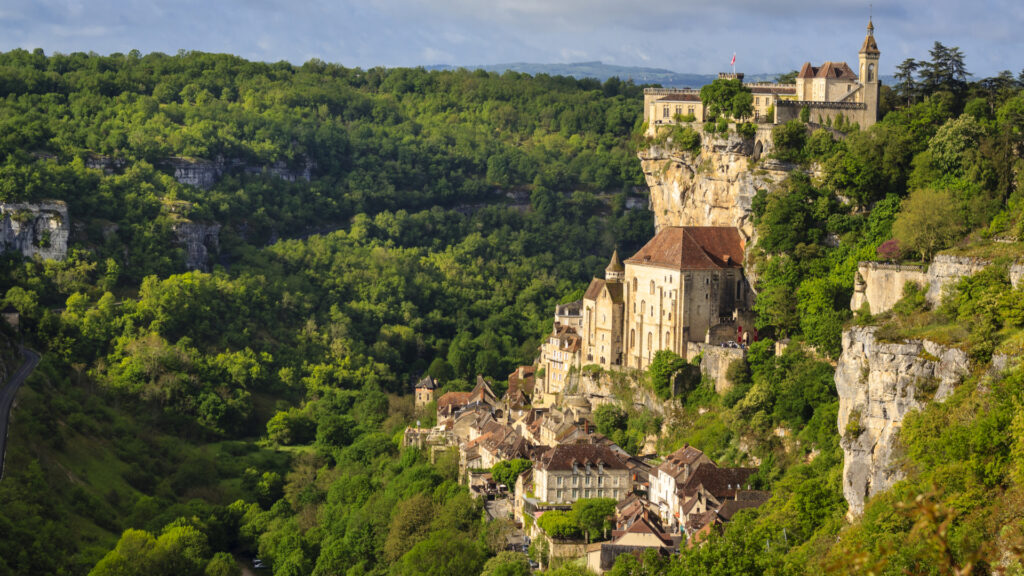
746	130
789	139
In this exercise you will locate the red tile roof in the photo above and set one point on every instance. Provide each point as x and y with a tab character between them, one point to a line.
597	286
833	70
692	248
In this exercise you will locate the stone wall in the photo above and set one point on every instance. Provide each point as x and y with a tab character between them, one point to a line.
881	285
205	173
879	383
35	229
715	361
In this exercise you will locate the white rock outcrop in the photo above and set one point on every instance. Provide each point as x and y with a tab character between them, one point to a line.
713	188
35	229
879	383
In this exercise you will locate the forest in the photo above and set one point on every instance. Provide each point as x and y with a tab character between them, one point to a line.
182	421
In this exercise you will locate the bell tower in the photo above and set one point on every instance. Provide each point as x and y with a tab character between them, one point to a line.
869	54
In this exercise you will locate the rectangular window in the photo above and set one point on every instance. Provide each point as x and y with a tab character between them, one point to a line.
558	495
600	493
679	110
689	110
575	493
600	480
560	480
664	112
575	480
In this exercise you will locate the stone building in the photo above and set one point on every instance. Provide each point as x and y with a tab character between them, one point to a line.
559	354
683	282
670	476
425	391
603	307
569	472
827	91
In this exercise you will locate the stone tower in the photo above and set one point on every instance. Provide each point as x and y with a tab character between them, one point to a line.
869	75
615	271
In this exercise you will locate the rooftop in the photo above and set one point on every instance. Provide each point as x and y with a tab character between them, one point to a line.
691	248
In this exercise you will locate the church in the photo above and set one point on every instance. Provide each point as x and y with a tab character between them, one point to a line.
682	284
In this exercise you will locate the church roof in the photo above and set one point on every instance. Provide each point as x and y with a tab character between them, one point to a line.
615	265
597	286
830	70
869	46
692	248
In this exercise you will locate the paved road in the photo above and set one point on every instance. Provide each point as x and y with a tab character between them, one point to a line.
7	393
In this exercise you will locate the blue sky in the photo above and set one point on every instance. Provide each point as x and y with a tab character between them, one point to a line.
681	35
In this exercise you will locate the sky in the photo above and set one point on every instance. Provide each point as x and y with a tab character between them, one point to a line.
682	35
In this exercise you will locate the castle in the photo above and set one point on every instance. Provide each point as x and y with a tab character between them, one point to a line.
827	92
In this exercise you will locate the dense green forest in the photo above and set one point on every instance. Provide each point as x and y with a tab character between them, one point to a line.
180	417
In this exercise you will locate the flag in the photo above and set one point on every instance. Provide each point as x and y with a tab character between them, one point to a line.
733	63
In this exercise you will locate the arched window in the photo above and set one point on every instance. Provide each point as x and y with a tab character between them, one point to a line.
871	72
634	285
668	339
652	286
643	307
632	338
650	337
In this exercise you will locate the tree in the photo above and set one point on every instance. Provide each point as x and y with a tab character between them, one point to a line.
929	221
506	471
789	140
507	563
906	84
609	418
594	515
787	78
728	98
664	366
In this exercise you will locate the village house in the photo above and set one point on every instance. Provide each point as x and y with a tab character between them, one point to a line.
569	472
637	529
827	91
559	356
672	474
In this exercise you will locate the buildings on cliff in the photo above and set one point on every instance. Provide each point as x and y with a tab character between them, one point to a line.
828	91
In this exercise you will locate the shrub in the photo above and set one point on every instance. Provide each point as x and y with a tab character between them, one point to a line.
746	130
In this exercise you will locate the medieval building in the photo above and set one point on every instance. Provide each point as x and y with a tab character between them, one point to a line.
828	92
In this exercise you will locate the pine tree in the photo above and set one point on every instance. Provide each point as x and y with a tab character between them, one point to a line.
906	84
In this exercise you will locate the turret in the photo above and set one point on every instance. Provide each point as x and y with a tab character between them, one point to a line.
869	54
615	271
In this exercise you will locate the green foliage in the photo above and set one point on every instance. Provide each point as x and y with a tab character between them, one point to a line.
789	140
746	130
506	471
507	564
928	222
559	524
609	419
662	371
727	98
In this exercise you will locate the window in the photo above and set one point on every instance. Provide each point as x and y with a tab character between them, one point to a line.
632	338
668	340
689	110
664	112
649	338
757	101
575	481
590	480
679	110
560	480
600	480
558	494
587	493
643	307
652	286
634	284
871	72
575	493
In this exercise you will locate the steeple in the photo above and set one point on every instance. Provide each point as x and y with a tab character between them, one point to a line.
869	46
615	271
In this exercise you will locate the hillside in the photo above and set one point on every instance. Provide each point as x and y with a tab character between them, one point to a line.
262	259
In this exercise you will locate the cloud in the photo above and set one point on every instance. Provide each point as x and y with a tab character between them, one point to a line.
683	35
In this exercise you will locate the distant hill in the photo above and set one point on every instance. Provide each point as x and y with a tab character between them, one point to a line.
602	72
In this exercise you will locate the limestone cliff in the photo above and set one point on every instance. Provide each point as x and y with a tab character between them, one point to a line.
35	229
205	173
712	188
879	383
199	240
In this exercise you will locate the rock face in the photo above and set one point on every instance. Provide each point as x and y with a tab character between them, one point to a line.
35	229
880	285
878	384
713	188
205	173
199	240
715	361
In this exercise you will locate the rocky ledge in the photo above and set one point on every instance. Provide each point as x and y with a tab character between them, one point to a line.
35	229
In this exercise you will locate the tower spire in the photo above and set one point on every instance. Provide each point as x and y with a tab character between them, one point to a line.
615	269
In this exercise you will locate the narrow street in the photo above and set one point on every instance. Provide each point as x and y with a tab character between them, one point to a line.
7	394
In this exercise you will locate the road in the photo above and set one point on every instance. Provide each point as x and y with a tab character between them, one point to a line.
7	394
